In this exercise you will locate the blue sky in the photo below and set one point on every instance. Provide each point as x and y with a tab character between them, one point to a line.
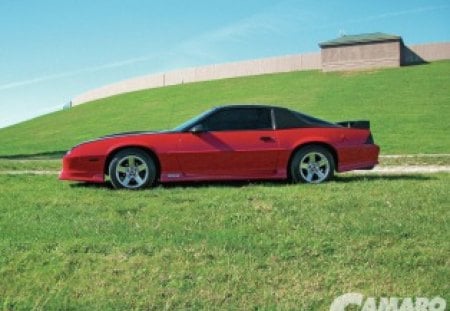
51	50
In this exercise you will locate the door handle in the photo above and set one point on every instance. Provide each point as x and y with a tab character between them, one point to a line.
267	139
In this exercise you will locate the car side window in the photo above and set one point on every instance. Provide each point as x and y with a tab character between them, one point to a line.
239	119
285	119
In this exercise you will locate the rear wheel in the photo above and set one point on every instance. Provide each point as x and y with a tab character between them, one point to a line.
132	169
312	164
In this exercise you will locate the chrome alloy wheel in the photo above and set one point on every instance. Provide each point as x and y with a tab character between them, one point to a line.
132	171
314	167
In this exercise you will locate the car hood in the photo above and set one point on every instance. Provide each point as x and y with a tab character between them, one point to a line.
130	134
123	134
133	133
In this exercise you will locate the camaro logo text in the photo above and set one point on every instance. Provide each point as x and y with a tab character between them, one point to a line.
387	303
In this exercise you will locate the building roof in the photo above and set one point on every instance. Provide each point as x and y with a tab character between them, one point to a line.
361	38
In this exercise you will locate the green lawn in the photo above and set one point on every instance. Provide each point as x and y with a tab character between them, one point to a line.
408	108
221	246
252	246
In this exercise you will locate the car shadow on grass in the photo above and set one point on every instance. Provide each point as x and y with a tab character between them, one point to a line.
338	179
87	185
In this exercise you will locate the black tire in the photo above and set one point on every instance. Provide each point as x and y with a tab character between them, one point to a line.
132	168
312	164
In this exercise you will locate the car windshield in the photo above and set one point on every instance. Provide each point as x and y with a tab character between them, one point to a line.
190	123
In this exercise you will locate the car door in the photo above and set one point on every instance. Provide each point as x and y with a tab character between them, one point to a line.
235	142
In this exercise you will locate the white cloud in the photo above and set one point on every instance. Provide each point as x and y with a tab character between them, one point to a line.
208	47
388	15
204	47
382	16
66	74
271	21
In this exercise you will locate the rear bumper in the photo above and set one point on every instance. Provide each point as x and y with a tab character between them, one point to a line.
363	157
89	169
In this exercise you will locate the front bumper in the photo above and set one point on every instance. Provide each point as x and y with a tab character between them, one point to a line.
83	168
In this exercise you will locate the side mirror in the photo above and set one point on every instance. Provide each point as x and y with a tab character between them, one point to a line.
197	129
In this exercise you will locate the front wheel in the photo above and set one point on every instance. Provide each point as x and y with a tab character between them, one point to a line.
132	169
312	164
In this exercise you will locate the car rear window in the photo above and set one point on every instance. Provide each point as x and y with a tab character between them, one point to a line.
285	119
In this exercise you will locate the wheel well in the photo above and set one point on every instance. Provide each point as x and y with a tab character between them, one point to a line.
150	152
324	145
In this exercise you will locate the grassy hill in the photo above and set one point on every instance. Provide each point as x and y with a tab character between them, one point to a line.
409	108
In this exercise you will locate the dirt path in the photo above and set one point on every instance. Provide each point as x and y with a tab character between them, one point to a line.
388	166
418	155
380	170
29	172
407	169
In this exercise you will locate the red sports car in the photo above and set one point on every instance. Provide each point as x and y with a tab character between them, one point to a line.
237	142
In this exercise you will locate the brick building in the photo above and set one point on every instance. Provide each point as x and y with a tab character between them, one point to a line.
364	51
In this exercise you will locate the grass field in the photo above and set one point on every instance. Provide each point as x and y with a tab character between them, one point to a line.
228	246
408	108
234	246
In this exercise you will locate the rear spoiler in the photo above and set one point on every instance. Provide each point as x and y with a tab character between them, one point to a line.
361	124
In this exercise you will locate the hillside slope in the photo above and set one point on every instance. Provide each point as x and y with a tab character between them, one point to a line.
408	107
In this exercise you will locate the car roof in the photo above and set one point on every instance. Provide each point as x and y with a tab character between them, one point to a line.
247	106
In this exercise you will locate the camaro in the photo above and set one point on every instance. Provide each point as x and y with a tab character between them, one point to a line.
236	142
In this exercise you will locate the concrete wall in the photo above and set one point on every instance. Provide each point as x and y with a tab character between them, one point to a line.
135	84
205	73
427	52
361	56
368	57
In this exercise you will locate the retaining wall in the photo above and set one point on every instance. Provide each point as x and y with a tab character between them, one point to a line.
205	73
432	51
